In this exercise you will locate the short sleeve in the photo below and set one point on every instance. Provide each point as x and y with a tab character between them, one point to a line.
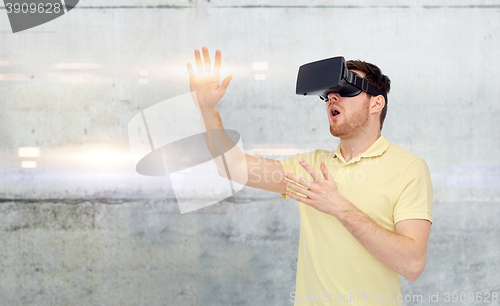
414	199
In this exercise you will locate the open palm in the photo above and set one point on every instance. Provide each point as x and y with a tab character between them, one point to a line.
206	84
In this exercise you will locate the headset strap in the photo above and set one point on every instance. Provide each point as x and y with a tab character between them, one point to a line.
365	85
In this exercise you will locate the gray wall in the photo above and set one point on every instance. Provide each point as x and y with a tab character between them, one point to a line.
82	228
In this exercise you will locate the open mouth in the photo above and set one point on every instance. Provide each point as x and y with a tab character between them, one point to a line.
335	113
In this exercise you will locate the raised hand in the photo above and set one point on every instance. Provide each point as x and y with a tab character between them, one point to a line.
205	84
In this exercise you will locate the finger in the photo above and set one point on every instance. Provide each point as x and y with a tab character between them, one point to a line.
326	173
217	62
190	70
310	170
295	178
199	64
300	198
300	189
206	60
226	81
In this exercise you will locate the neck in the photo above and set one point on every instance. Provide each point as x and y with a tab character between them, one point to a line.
352	146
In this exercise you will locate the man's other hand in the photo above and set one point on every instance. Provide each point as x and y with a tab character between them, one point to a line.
205	84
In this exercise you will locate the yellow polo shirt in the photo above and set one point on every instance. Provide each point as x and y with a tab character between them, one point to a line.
387	183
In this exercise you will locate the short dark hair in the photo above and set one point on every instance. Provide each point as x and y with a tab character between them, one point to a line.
376	77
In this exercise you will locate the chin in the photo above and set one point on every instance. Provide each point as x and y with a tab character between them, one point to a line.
338	133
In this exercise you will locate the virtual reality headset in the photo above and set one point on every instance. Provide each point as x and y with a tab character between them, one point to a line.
331	75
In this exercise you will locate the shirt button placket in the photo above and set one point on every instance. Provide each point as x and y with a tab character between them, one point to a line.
339	175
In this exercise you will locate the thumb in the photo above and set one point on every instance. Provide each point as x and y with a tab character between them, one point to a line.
226	81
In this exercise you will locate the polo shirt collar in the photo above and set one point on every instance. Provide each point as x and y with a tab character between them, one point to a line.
376	149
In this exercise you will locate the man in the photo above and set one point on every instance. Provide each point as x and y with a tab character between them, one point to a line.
366	209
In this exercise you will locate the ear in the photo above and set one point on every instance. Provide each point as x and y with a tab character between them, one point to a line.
377	103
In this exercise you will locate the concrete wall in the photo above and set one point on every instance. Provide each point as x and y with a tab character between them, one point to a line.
82	228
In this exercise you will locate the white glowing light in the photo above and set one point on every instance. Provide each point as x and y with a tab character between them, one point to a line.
260	77
100	157
103	158
29	152
76	66
143	81
28	164
76	78
13	77
259	66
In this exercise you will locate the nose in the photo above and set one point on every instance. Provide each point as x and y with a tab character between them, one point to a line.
333	96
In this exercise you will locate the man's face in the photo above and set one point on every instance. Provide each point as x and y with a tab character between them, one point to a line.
353	113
